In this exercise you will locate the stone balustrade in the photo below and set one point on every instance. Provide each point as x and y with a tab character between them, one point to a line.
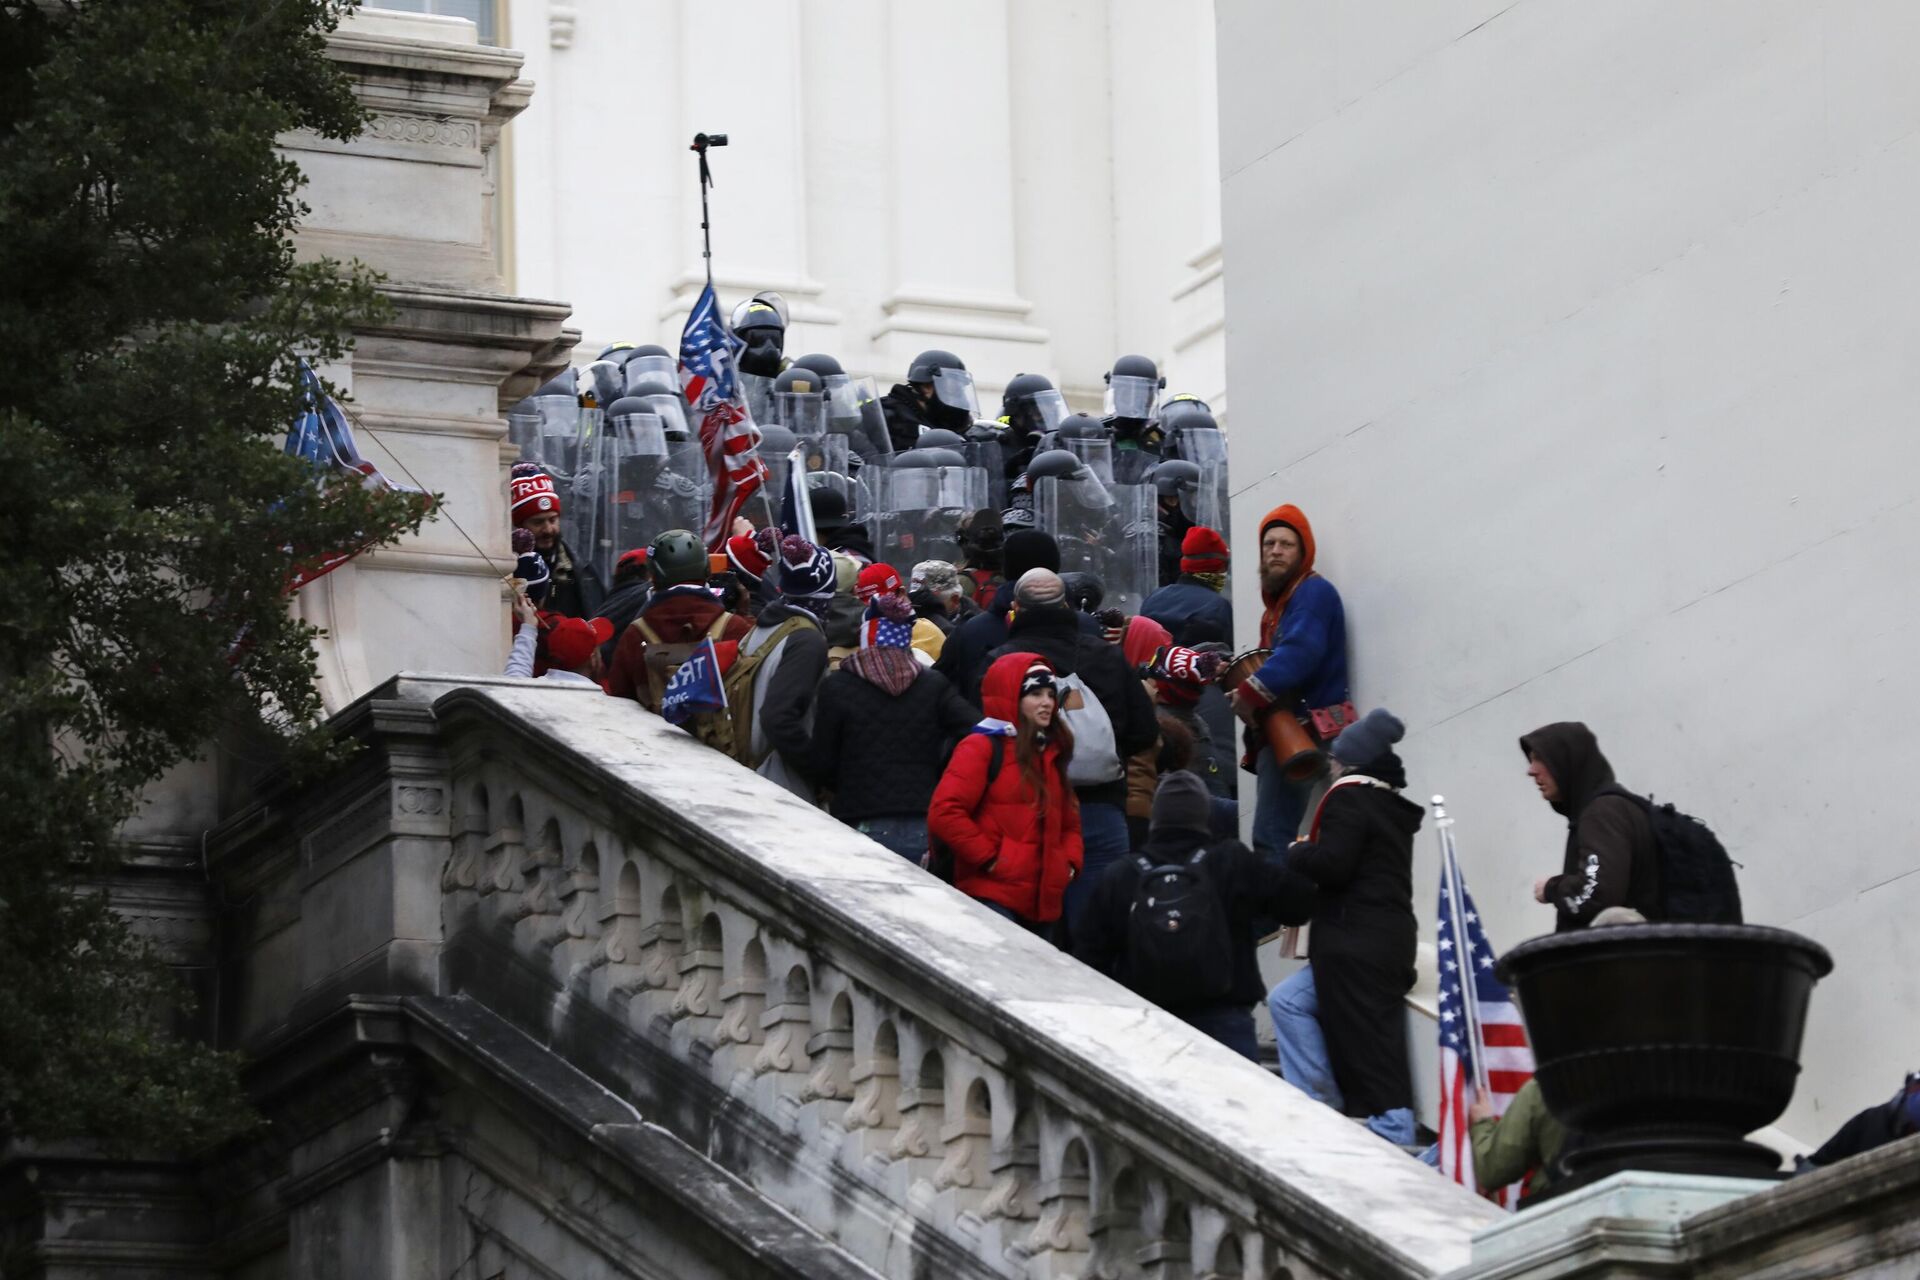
933	1088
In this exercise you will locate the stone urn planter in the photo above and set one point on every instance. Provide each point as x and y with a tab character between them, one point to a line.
1664	1045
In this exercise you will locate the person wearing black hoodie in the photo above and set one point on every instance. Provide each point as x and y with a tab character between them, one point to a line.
882	726
1611	859
1339	1024
963	660
1249	887
1044	622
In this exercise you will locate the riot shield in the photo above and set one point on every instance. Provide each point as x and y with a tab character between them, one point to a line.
580	482
1206	447
920	509
1096	452
985	450
1109	531
650	484
758	393
853	411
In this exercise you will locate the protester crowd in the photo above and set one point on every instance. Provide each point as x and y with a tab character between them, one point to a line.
1031	717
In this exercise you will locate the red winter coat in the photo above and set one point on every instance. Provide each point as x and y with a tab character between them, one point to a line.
1003	851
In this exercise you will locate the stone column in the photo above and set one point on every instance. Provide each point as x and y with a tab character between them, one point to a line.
759	200
954	262
413	197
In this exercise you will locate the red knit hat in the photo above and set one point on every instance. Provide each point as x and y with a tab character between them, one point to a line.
571	641
877	579
531	494
1203	551
748	554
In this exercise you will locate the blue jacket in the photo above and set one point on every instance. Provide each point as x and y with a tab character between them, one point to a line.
1309	648
1183	602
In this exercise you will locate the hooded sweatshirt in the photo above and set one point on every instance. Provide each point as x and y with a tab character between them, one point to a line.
1611	857
1004	849
1305	629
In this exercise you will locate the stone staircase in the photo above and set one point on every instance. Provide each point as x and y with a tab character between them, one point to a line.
930	1090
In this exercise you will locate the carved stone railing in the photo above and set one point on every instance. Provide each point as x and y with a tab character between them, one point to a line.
934	1088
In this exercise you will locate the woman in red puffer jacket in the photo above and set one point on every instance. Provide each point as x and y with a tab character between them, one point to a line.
1016	840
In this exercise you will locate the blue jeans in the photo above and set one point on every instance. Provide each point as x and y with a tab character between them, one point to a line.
1103	833
1304	1061
905	834
1279	805
1295	1007
1231	1025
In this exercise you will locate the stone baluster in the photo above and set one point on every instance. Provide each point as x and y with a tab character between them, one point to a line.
661	942
578	890
1167	1252
614	970
874	1114
915	1151
466	867
1059	1243
500	867
535	913
1113	1232
963	1178
695	1009
1216	1247
743	998
832	1078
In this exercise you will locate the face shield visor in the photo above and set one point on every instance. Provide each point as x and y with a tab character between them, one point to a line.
954	388
802	412
1132	397
1047	409
672	415
1205	446
1096	452
639	436
646	374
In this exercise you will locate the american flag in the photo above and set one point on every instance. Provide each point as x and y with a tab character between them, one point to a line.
1483	1042
712	387
322	437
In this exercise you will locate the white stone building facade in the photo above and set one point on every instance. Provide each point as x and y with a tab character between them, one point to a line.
1583	334
1032	185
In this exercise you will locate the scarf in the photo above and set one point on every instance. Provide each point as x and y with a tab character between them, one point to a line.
884	658
1216	581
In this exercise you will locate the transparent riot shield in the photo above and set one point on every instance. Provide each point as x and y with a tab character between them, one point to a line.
986	452
650	484
580	482
1109	531
853	411
647	375
920	510
1095	451
758	392
1206	447
545	428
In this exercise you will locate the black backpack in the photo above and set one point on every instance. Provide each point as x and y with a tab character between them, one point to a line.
939	852
1697	883
1179	951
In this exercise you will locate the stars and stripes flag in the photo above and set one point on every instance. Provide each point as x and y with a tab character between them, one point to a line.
711	383
323	437
1483	1042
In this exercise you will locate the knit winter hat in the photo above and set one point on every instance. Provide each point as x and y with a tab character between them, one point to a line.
1203	551
937	576
805	570
1182	804
1039	676
530	493
530	567
887	622
571	641
752	553
1038	588
1368	738
877	579
1026	550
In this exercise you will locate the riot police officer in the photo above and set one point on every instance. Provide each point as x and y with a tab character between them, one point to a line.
1133	399
938	392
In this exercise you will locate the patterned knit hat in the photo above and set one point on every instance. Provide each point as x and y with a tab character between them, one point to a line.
1203	551
530	493
805	570
937	576
752	553
530	566
887	622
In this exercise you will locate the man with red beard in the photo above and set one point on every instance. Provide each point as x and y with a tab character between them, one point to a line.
1304	629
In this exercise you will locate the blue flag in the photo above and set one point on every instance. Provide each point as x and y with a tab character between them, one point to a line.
796	508
695	687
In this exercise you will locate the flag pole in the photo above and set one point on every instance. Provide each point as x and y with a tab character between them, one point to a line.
1469	996
701	141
